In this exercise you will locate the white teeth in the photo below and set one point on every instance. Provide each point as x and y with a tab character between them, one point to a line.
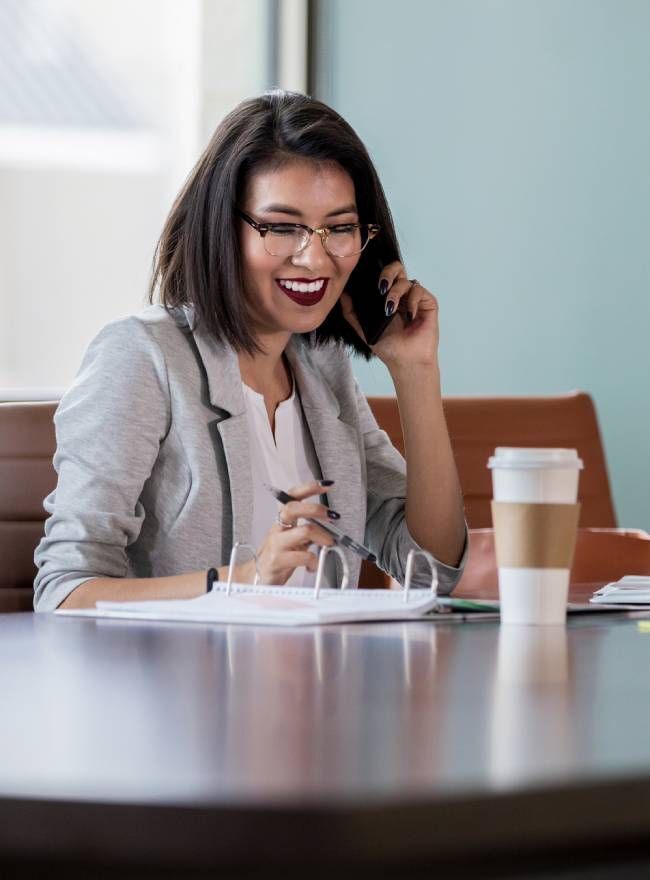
302	287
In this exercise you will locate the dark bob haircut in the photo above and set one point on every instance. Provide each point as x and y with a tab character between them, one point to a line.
198	259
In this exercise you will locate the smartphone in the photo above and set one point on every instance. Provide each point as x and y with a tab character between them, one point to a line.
369	305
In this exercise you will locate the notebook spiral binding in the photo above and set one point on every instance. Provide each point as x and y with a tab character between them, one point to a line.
410	561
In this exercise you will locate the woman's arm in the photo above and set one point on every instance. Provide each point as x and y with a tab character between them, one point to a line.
109	426
409	349
434	503
180	586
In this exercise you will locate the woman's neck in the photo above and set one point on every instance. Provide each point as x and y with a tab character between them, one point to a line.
267	372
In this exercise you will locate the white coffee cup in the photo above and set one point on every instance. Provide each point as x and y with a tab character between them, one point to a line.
534	533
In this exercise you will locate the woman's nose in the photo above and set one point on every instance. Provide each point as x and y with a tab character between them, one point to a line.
314	254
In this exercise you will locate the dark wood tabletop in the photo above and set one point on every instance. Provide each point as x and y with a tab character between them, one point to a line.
396	747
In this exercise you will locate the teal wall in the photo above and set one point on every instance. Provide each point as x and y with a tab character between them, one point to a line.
513	139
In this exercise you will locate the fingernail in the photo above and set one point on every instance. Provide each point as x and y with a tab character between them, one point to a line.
390	307
383	287
326	482
332	514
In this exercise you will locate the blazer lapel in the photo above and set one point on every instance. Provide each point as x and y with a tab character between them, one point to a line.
226	396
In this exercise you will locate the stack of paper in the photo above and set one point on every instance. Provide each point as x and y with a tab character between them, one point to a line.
630	590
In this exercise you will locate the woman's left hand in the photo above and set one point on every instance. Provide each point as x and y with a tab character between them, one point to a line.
411	338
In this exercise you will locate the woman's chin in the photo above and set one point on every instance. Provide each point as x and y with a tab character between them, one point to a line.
308	323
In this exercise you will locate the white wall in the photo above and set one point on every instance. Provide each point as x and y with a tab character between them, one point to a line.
75	253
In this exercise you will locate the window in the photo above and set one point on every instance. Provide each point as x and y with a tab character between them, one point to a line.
104	107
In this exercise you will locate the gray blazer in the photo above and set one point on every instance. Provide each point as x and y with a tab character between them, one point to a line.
153	459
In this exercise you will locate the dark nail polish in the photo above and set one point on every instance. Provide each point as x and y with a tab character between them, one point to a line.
390	307
332	514
383	287
326	482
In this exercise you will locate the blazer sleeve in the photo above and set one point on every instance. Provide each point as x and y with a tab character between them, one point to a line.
386	531
109	427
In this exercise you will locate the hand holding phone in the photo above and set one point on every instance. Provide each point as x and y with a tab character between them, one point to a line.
371	314
369	304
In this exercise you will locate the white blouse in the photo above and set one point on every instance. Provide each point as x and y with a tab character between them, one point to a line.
283	461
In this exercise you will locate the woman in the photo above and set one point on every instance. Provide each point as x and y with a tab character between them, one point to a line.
239	376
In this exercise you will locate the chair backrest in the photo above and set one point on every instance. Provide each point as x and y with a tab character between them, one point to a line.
477	425
27	444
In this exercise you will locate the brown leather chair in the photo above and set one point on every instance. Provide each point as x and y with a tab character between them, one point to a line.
477	425
27	444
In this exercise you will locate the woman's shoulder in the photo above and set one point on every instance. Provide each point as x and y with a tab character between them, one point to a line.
154	321
139	345
153	333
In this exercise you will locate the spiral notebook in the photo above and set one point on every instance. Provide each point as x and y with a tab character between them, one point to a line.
274	606
229	602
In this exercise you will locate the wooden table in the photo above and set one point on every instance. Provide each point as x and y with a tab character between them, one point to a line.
191	750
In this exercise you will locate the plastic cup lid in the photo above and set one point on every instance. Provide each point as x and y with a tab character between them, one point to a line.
525	457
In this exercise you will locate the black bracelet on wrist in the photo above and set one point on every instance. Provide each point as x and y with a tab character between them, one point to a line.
212	576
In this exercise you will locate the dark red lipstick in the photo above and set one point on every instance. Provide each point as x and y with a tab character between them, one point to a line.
304	299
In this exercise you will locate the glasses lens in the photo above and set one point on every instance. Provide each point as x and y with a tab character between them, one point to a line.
346	241
284	241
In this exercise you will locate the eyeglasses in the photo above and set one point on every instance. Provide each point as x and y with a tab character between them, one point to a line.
290	239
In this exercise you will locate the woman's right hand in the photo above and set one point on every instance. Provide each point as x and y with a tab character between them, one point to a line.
286	548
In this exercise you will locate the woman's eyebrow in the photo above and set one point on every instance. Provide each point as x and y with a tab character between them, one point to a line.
294	212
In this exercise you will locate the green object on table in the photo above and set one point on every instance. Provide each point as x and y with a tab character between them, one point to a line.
468	604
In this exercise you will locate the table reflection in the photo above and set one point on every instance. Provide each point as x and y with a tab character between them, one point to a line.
301	701
531	727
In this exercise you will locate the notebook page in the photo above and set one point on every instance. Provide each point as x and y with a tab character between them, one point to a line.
276	606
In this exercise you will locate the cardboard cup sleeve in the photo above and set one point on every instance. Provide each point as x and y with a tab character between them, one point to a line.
530	535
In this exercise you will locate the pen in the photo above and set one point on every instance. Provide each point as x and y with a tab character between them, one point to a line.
339	536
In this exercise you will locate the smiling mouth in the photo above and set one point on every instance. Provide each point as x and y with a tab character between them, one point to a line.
303	291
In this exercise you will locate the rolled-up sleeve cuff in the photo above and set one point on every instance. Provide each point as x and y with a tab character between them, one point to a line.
448	575
49	599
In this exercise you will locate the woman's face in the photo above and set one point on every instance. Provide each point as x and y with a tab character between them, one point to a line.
298	192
